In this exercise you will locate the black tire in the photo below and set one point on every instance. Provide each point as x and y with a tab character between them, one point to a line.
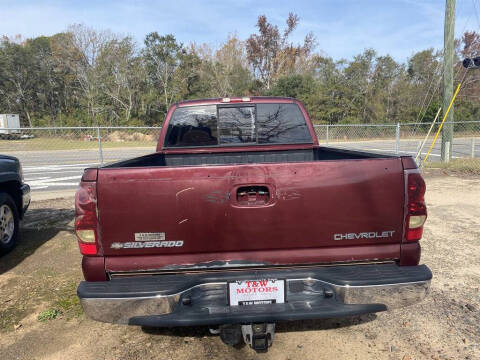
6	200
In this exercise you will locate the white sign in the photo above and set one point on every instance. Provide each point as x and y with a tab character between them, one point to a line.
255	292
150	236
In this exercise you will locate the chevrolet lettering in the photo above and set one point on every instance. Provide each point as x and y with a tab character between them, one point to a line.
364	235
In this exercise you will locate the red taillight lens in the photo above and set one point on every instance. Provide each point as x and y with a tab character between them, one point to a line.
87	249
86	218
416	208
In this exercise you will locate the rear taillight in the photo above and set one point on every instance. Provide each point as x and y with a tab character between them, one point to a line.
415	205
86	223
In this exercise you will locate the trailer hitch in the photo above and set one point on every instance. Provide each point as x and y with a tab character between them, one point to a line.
259	336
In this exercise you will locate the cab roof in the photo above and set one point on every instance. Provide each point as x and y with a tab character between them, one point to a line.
237	99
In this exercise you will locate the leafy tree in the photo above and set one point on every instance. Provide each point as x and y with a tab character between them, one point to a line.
49	82
163	58
269	52
121	75
79	51
17	85
224	72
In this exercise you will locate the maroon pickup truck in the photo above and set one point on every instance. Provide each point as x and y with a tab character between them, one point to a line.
240	220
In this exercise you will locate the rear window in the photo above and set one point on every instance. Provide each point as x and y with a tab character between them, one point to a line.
223	125
236	125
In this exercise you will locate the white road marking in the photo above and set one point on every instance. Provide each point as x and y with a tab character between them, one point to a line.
43	176
60	184
54	172
56	167
37	178
60	178
41	183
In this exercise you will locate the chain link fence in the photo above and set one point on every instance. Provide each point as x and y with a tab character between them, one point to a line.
63	145
413	139
54	158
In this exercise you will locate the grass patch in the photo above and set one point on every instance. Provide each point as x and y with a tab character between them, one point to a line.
57	143
469	166
48	314
68	302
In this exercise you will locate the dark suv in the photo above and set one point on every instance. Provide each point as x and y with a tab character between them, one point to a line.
14	201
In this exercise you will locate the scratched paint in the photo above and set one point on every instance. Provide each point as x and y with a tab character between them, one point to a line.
182	191
217	197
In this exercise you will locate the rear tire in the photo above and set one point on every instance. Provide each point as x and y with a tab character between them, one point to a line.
9	223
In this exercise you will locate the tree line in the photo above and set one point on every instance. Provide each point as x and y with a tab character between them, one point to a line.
85	77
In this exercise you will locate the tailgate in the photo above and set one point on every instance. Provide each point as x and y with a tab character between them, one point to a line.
263	213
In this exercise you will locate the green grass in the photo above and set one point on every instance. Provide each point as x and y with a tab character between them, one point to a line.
470	166
48	314
66	304
55	143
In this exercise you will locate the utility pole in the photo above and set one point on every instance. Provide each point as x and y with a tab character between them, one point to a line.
447	131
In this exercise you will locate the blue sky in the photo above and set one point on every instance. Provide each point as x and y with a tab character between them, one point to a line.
343	27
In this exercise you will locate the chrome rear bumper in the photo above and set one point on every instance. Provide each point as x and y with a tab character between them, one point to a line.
207	302
393	296
121	310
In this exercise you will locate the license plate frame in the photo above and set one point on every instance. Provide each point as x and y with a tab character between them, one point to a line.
256	292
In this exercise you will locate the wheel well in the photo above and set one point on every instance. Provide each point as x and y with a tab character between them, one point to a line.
12	188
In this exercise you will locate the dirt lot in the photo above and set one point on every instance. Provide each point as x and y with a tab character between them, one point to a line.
40	317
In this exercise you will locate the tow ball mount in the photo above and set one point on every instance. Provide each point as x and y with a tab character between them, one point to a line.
259	336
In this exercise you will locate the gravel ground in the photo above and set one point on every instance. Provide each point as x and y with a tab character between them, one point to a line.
40	317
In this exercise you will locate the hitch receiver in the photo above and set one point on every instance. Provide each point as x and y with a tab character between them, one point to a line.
259	336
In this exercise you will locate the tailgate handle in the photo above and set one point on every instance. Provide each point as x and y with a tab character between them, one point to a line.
252	195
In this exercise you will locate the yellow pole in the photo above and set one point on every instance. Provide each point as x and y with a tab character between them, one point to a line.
441	124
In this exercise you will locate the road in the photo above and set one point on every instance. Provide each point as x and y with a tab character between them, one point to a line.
62	169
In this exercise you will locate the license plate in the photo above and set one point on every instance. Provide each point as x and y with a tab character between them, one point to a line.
255	292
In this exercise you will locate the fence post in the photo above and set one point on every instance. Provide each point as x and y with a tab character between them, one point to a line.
100	152
397	138
326	135
447	152
473	148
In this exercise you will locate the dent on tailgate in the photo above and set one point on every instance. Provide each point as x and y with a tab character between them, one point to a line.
319	212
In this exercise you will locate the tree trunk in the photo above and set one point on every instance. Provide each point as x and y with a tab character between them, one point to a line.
28	117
